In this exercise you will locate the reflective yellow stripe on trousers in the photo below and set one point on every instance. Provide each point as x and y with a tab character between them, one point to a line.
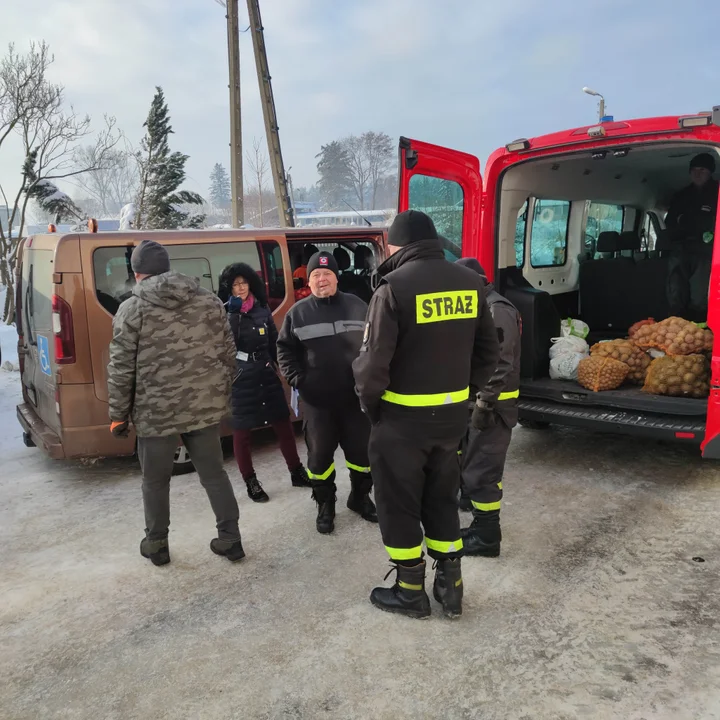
324	475
509	395
413	553
429	400
358	468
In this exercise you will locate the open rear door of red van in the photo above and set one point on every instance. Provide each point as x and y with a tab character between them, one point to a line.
446	185
711	444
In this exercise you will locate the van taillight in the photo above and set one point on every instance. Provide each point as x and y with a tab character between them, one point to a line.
63	330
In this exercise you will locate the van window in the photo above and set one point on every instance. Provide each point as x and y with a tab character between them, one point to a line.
549	233
520	227
40	290
601	218
442	200
114	279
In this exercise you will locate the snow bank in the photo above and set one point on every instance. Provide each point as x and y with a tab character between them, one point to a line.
8	341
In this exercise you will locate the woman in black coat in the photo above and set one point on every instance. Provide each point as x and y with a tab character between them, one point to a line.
258	398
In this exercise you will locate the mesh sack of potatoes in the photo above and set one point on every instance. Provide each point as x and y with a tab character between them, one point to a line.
626	352
679	376
709	340
674	336
601	373
641	323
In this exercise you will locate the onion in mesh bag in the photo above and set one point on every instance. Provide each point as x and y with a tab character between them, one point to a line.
675	336
627	352
601	373
679	376
564	367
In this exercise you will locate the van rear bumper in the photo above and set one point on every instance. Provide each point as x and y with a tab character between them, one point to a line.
40	433
677	428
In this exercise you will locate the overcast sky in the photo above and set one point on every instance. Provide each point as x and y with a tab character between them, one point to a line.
469	75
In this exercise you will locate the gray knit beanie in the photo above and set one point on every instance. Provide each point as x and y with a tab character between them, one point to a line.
150	258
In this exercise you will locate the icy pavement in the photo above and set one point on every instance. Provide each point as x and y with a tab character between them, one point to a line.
596	608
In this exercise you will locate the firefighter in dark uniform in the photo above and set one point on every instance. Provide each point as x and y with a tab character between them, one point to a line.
429	335
483	452
319	339
691	222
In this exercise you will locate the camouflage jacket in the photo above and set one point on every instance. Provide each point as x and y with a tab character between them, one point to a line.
172	357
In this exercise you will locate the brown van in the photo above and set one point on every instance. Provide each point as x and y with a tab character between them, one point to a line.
69	287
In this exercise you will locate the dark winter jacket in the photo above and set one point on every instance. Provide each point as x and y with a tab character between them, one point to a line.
318	342
692	211
429	336
258	397
502	390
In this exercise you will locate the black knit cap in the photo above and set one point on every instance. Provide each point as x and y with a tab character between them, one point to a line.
150	258
409	227
703	160
323	260
473	264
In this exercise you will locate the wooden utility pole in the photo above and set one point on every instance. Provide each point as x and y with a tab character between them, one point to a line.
236	156
282	196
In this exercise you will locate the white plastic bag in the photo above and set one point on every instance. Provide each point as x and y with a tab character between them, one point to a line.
574	327
567	345
564	367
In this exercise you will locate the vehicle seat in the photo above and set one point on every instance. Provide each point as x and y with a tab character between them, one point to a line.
540	322
603	286
355	284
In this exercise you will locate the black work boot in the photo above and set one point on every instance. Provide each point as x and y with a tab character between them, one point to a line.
362	504
483	537
233	553
255	490
359	499
448	586
156	553
407	596
325	499
299	477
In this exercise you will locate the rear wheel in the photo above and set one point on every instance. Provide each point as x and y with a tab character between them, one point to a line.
534	424
182	464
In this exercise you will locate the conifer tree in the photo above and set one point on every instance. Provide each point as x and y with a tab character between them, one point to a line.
161	204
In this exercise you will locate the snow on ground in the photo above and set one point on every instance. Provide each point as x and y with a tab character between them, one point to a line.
8	341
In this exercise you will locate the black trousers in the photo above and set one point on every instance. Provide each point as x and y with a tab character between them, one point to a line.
483	464
416	475
325	429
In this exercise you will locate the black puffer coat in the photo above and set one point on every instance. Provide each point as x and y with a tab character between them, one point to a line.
258	398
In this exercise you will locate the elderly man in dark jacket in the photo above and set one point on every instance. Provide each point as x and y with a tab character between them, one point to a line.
172	359
484	451
319	340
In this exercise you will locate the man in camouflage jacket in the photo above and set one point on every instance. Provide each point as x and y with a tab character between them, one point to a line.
172	361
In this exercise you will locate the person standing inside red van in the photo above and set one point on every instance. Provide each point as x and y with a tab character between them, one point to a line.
172	359
258	398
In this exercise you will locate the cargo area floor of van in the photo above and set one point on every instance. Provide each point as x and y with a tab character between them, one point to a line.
625	398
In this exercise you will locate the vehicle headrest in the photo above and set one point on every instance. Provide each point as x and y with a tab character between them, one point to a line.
608	242
342	258
629	240
363	258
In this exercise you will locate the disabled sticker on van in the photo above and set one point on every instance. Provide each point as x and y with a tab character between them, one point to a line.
44	354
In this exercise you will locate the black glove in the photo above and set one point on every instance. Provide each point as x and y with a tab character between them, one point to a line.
120	429
483	415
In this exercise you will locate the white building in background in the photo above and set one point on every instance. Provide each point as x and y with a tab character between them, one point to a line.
346	218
